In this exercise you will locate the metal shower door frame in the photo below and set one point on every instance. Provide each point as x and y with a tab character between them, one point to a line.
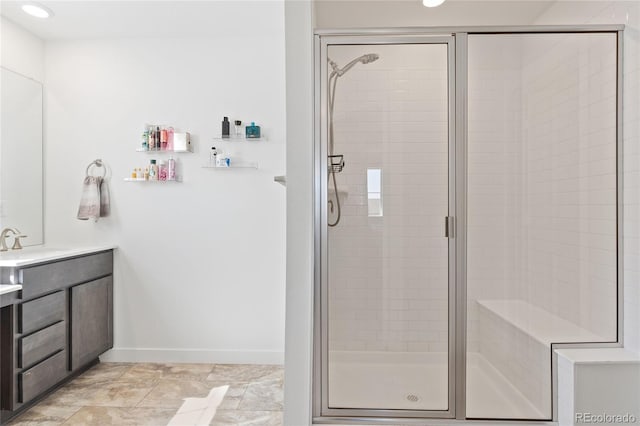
321	348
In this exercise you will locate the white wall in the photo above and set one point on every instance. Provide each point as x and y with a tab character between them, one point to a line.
299	320
199	269
21	51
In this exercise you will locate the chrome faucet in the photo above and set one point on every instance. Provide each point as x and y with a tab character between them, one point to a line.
16	239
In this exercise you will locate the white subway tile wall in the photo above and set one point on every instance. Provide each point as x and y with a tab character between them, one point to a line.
569	134
626	13
388	274
494	175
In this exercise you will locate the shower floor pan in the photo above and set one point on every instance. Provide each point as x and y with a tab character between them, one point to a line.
418	381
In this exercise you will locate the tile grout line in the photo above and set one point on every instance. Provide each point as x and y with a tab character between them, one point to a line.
155	385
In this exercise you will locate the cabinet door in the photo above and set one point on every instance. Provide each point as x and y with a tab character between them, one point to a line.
91	320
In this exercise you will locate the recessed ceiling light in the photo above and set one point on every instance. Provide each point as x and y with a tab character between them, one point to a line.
432	3
37	10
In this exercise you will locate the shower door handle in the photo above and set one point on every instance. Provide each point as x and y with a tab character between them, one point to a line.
449	227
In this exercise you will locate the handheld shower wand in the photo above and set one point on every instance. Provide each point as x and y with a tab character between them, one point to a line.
364	59
336	73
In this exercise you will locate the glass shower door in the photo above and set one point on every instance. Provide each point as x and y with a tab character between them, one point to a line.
386	265
542	212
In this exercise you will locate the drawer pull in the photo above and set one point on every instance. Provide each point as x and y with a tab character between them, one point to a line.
41	377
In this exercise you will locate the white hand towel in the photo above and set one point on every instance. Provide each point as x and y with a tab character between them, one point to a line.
94	202
105	199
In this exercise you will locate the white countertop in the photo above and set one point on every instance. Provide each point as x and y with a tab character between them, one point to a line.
39	254
9	288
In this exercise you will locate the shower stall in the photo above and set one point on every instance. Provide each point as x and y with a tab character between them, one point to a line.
468	214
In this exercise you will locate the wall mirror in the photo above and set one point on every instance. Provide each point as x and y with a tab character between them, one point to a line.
21	183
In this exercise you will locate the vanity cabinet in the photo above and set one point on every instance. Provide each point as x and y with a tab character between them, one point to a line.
91	322
59	324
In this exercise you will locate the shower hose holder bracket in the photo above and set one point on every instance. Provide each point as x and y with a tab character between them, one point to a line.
336	163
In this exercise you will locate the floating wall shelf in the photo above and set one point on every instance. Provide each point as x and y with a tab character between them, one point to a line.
162	151
233	166
177	179
234	138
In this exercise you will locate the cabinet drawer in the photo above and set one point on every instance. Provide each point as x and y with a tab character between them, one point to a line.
53	276
41	377
41	312
40	345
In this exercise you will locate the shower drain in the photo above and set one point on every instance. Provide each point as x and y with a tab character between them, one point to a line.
413	398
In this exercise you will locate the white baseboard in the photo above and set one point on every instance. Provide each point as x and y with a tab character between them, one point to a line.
195	356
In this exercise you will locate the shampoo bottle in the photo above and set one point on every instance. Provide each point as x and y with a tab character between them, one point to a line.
152	139
153	170
225	127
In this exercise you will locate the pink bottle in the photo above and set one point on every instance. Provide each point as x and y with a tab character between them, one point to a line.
171	169
162	171
163	139
169	139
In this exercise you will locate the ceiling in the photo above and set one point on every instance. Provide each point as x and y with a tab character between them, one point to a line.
75	19
177	18
404	13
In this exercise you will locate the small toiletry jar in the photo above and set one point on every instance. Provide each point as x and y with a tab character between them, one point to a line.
223	161
252	131
181	142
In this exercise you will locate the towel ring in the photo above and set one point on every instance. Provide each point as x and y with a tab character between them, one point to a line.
97	163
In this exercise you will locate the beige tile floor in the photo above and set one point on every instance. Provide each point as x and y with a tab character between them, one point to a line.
150	394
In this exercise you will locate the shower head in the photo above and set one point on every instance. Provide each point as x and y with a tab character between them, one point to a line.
364	59
369	57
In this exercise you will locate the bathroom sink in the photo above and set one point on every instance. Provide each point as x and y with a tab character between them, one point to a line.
8	258
37	254
28	252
